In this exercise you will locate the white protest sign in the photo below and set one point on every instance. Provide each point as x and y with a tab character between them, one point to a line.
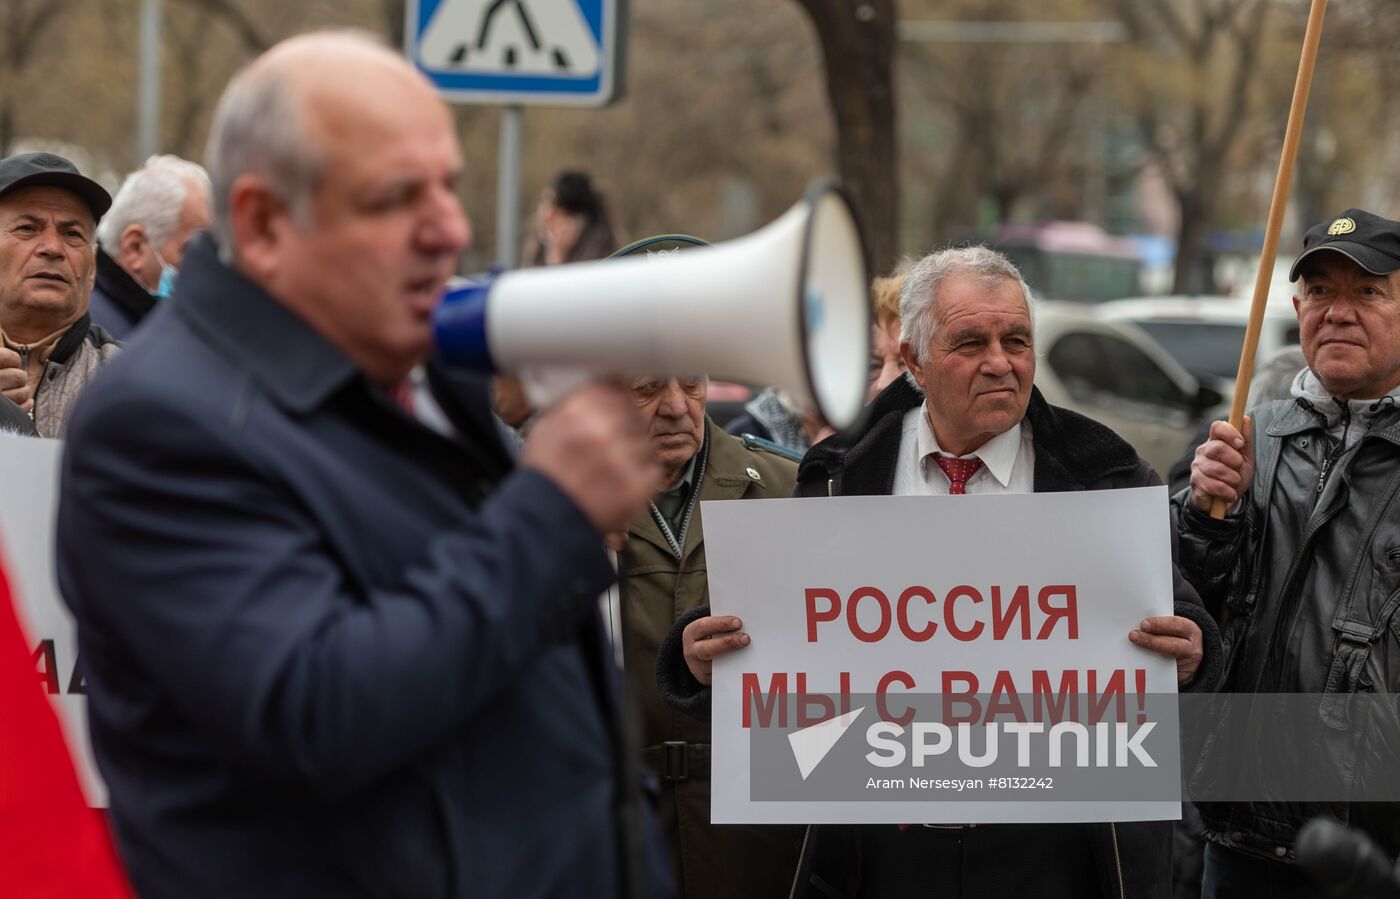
969	605
29	487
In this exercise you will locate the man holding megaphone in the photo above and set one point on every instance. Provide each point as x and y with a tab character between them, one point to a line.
336	640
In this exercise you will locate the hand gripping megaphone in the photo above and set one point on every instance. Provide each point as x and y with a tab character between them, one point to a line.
787	307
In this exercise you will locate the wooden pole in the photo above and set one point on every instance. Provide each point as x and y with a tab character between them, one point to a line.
1277	207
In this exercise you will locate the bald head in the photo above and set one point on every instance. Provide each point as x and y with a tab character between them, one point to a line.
278	117
331	70
309	54
335	168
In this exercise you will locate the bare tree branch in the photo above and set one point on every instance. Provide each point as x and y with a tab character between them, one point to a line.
1168	14
233	14
25	24
1246	43
1192	140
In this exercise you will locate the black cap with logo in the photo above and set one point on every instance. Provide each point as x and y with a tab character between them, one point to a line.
47	169
1368	240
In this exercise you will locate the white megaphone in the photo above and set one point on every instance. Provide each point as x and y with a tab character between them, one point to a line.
787	306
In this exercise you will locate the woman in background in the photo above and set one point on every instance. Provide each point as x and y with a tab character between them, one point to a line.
572	223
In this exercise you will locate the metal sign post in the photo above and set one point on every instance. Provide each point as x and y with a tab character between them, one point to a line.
148	96
508	190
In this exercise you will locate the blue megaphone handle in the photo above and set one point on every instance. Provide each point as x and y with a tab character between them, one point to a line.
460	327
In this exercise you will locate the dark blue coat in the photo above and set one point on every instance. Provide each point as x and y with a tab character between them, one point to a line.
328	651
117	303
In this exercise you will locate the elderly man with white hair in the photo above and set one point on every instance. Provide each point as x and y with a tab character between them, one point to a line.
142	239
968	420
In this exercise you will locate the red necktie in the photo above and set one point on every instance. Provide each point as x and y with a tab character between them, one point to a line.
402	395
958	471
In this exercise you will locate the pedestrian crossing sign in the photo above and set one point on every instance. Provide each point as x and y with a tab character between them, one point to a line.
519	51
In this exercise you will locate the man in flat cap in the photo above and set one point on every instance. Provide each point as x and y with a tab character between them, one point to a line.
1303	571
48	214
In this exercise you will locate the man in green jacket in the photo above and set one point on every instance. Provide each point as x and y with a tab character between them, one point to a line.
662	577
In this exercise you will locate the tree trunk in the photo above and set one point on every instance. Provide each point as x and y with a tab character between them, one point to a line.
1217	113
1195	273
1007	201
857	41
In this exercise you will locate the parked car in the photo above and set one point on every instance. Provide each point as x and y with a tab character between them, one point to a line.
1206	334
1073	261
1114	373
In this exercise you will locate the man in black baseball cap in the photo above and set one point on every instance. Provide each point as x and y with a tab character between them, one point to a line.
1303	566
1366	239
1348	304
48	215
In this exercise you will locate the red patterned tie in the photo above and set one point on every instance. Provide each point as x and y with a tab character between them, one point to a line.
958	471
402	394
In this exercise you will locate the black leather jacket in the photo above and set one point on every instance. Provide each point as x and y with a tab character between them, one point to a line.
1304	578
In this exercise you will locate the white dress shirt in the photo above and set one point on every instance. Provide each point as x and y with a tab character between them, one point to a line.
1008	461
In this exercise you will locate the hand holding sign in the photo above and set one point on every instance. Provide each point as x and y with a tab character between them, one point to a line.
706	639
1174	637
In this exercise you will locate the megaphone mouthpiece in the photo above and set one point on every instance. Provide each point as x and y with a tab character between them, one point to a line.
461	327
